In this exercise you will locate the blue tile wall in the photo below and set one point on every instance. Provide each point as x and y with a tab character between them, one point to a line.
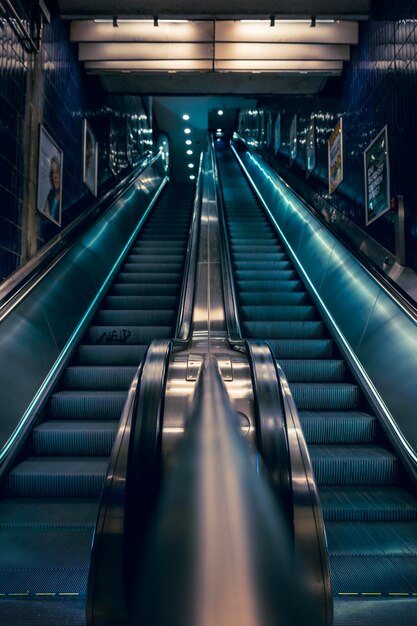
68	97
378	88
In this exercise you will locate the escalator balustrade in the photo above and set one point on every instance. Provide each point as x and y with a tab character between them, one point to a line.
368	503
50	498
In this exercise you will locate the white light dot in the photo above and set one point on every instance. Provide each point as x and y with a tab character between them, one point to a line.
188	142
187	131
189	151
219	130
191	165
185	117
220	112
192	177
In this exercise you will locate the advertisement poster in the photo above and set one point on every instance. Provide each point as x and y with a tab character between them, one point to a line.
335	148
377	177
293	139
311	146
90	153
49	178
277	133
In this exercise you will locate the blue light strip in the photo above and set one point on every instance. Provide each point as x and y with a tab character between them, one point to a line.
379	401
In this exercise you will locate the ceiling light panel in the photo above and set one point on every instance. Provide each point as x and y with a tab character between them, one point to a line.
282	51
135	51
292	32
280	66
140	31
182	65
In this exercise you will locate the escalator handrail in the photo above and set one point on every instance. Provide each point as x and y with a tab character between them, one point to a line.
19	284
309	528
185	311
219	520
229	293
12	447
134	460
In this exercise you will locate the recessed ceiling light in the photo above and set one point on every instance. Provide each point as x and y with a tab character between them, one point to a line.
220	112
189	151
219	130
192	177
191	165
185	117
188	142
187	131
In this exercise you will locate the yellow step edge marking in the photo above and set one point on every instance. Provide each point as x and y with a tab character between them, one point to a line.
18	594
44	594
398	593
67	593
371	593
348	593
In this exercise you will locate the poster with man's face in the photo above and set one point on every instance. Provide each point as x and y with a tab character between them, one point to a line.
49	178
90	154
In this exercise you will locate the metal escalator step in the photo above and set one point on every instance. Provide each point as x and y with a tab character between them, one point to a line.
261	265
337	396
257	275
44	562
118	317
152	268
338	427
125	297
265	313
141	278
370	504
74	438
260	257
354	465
111	355
285	298
148	258
145	289
283	330
87	405
99	377
169	247
243	249
51	477
46	514
125	335
302	348
314	370
269	286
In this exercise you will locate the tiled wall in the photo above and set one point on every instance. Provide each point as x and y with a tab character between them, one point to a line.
68	97
379	87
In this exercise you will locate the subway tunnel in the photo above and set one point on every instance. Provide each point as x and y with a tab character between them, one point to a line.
208	313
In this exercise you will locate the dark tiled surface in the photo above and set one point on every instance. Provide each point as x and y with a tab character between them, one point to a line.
69	96
379	87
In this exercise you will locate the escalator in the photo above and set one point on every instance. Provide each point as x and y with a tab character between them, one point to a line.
50	498
368	502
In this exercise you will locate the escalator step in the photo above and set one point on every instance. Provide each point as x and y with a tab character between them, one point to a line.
125	335
124	300
277	313
283	330
111	355
99	377
302	348
44	514
271	275
119	317
149	258
269	285
152	268
51	477
286	298
338	427
370	504
354	465
335	396
74	438
87	405
140	278
259	265
144	289
313	371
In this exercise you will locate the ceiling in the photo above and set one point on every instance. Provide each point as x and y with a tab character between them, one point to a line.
201	47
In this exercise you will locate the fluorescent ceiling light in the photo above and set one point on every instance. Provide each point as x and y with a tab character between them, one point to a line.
220	112
192	177
186	117
189	151
187	131
188	142
191	165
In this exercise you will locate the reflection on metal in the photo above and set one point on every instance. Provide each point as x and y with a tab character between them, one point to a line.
219	551
400	232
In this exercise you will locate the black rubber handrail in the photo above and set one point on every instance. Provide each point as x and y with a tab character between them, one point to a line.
25	278
229	293
219	551
130	490
183	327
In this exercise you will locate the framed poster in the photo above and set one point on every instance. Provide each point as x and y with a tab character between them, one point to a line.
311	146
90	156
293	139
277	133
50	161
335	157
377	177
